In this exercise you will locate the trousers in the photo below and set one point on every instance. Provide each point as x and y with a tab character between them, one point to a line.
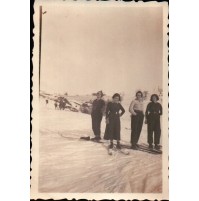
96	124
136	126
153	127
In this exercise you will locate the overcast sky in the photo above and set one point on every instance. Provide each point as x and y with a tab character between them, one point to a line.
86	49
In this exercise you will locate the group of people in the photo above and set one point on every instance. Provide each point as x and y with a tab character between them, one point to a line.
114	110
61	103
58	104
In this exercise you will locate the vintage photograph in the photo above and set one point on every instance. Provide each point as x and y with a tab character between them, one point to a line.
100	100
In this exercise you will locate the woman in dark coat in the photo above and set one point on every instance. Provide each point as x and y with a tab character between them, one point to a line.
113	115
152	114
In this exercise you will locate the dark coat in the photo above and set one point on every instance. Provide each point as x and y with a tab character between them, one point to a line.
113	114
97	108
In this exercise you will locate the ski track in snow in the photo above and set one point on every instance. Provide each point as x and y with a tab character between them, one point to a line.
70	165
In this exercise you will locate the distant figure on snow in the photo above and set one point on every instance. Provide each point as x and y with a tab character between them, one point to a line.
46	102
63	105
97	114
55	104
113	115
60	105
137	117
152	115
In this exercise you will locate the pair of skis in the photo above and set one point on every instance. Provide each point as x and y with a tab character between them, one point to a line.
114	149
110	151
144	148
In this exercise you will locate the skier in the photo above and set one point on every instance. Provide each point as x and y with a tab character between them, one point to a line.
96	115
137	118
60	104
63	104
55	104
152	119
113	115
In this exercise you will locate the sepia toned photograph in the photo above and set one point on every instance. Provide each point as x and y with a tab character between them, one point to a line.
100	100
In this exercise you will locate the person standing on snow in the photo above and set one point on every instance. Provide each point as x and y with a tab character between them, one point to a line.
137	117
55	104
113	125
97	114
152	115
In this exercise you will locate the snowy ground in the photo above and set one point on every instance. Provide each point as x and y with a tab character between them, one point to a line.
69	165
